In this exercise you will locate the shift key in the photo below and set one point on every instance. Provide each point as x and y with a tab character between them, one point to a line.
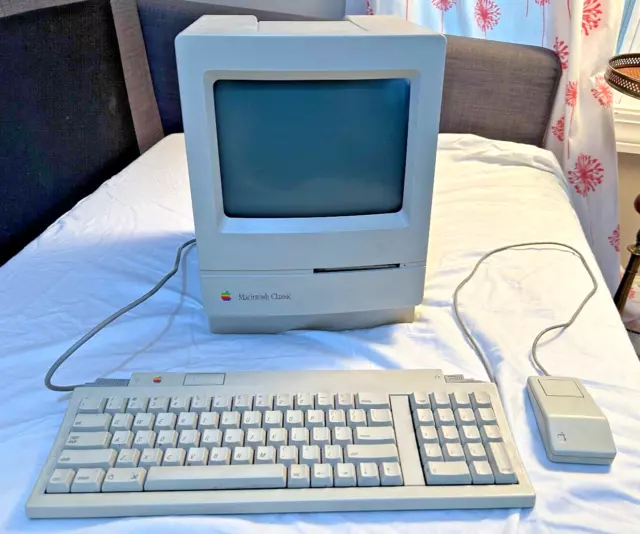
371	453
87	459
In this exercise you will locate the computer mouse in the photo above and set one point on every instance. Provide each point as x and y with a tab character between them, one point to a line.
573	428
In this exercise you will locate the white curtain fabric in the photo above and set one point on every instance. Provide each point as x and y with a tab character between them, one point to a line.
583	33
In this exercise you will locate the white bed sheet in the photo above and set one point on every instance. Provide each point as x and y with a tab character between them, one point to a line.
117	243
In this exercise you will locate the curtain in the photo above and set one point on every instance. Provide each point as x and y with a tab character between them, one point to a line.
584	34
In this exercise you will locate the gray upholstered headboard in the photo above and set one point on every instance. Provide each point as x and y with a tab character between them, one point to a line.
496	90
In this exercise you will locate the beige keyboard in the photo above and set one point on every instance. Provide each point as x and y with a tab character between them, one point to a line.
281	442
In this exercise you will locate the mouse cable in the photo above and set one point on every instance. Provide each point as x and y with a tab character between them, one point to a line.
110	319
534	346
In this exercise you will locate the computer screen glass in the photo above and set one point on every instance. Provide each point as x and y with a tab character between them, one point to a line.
311	148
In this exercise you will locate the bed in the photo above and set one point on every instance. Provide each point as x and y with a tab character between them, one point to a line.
494	186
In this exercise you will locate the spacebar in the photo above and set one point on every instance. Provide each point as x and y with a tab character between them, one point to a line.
216	477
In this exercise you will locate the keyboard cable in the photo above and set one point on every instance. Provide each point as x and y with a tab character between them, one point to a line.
534	347
56	365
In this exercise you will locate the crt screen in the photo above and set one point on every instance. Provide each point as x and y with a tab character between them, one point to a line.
311	148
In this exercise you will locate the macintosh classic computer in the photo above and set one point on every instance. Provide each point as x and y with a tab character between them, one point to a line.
311	151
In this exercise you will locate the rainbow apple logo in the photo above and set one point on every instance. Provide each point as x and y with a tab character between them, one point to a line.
225	296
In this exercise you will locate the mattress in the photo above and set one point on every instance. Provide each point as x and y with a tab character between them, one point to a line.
115	244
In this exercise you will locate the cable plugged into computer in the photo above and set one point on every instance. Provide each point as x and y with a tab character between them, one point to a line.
573	428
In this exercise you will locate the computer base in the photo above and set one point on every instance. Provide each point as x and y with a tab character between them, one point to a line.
328	321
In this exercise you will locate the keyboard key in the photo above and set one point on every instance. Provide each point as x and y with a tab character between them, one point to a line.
266	455
88	481
332	454
167	439
242	456
304	401
208	420
475	452
188	421
216	477
243	403
427	434
380	417
277	437
448	434
91	422
137	405
124	479
358	454
501	463
151	457
293	419
128	458
453	452
431	453
423	417
322	476
310	455
325	401
357	418
299	476
470	434
96	458
481	472
272	419
368	474
284	401
440	400
419	400
344	401
174	457
372	400
60	481
165	421
179	404
320	436
123	439
189	438
341	435
460	399
212	437
200	403
390	474
251	419
485	416
229	420
465	416
142	421
198	456
444	416
255	437
336	418
116	405
490	433
374	435
234	437
480	399
344	476
158	405
314	418
263	402
220	456
92	405
145	439
88	440
288	454
221	403
447	473
299	436
124	421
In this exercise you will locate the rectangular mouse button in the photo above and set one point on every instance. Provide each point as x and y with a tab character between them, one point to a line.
554	387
